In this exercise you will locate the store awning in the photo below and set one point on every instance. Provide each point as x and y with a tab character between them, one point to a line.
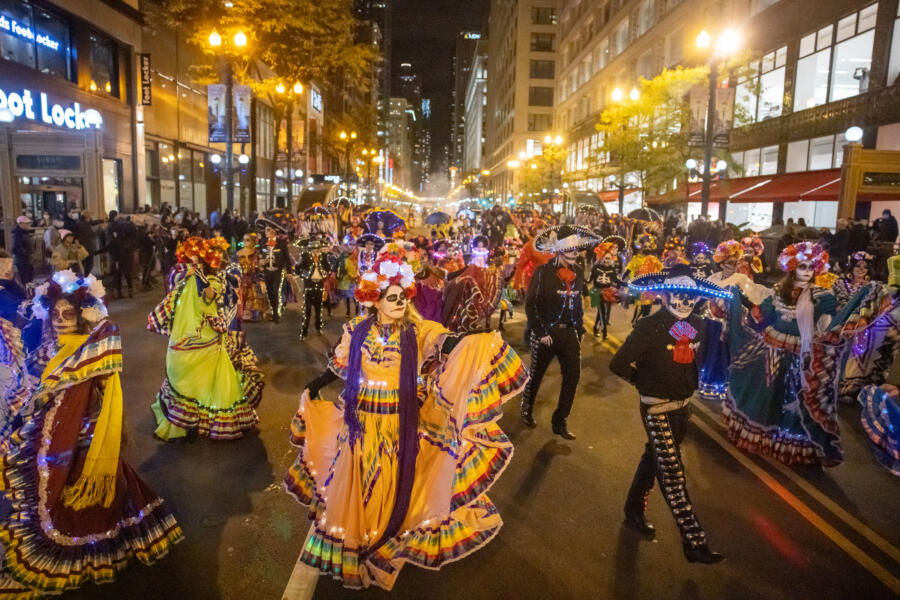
794	187
613	195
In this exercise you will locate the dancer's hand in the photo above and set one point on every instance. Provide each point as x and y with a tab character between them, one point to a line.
890	391
547	340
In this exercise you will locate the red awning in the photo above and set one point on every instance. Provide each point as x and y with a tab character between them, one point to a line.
677	195
794	187
613	195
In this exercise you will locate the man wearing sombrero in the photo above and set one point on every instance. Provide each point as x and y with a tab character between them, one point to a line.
660	358
555	319
313	269
275	261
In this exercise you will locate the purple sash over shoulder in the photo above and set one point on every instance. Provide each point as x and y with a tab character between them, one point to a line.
409	417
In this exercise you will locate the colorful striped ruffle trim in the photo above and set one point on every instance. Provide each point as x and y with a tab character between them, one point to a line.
786	448
876	422
246	363
218	424
430	546
42	566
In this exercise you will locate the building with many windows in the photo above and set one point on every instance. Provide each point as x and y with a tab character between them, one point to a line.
522	51
475	113
401	126
466	41
814	74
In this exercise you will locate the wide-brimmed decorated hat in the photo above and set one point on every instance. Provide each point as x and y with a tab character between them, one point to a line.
808	252
312	244
565	237
618	240
365	238
645	241
729	249
698	248
263	222
680	279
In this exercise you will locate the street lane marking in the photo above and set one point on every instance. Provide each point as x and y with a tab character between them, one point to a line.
845	544
861	528
855	552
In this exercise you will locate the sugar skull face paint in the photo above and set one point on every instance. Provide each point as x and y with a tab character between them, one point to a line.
392	306
681	304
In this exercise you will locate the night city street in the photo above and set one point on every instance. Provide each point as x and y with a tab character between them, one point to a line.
806	536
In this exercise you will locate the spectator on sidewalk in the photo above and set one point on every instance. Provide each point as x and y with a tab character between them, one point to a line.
22	249
87	237
68	254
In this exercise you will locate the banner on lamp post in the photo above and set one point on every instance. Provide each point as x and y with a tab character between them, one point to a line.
215	94
242	96
698	100
724	116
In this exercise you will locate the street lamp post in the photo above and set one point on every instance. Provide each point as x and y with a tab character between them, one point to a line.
619	96
295	90
348	141
238	42
726	45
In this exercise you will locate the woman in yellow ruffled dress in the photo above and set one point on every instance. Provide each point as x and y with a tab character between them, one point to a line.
77	512
399	472
212	384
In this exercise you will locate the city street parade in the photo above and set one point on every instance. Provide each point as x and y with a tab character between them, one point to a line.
488	299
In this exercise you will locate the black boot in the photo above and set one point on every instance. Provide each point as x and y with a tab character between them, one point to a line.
701	554
527	417
639	523
560	429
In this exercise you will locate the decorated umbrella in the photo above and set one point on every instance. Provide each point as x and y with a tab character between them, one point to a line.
317	211
644	214
362	208
437	218
465	213
285	220
341	203
386	219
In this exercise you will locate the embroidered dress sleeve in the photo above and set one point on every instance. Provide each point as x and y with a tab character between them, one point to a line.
339	359
430	336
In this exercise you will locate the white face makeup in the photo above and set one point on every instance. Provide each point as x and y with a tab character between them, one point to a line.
568	257
729	267
804	272
701	259
607	260
681	305
392	306
64	318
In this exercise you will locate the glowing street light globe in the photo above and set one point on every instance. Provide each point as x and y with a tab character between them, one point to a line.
703	39
721	165
243	159
215	159
298	88
215	40
279	87
634	94
691	163
853	134
617	95
240	39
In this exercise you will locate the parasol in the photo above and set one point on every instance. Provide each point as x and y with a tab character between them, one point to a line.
437	218
645	214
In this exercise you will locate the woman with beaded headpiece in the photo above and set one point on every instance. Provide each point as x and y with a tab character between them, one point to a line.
78	513
781	397
396	471
254	297
714	370
212	384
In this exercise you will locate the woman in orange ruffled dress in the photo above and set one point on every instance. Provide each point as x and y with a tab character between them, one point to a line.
397	470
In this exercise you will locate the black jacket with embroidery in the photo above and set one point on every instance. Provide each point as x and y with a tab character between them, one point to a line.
548	303
647	358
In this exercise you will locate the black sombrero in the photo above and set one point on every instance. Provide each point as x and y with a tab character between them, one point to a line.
565	237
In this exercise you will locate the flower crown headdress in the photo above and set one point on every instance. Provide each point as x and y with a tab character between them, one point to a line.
388	270
753	244
801	252
727	250
87	291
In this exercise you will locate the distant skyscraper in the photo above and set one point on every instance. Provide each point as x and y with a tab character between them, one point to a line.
379	12
466	42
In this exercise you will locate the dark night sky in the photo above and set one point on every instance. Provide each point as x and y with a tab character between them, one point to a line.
424	34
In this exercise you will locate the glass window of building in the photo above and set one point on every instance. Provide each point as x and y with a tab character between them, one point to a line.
17	38
835	61
760	95
112	183
540	96
543	16
104	65
894	66
645	65
646	13
751	162
542	69
601	54
198	161
675	48
542	42
797	156
185	186
533	147
52	43
619	40
769	160
539	122
821	151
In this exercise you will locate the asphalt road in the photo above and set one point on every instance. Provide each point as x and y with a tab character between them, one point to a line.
786	533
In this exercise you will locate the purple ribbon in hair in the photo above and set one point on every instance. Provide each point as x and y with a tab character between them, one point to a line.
409	417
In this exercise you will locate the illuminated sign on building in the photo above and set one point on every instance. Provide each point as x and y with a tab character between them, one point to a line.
42	109
315	99
471	35
24	31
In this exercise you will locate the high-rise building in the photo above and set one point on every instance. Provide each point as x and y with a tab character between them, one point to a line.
401	122
814	74
379	13
474	112
522	44
466	41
